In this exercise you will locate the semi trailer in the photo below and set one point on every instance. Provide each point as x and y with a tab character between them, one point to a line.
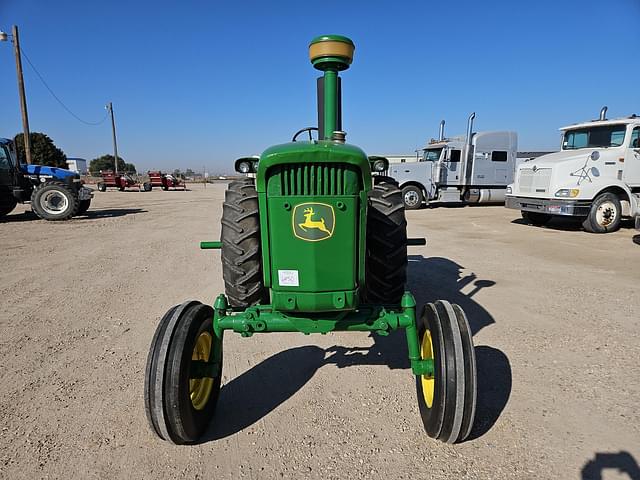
595	176
471	168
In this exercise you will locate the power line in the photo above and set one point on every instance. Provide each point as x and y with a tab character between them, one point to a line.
58	99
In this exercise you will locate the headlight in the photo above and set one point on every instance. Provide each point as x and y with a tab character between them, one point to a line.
509	189
379	166
567	192
244	167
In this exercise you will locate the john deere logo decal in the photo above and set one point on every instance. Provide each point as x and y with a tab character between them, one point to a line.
313	221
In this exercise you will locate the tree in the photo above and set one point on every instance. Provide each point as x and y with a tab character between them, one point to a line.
190	173
43	150
105	162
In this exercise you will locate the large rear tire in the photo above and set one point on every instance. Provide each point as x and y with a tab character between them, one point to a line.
447	399
241	251
54	201
183	374
386	257
7	203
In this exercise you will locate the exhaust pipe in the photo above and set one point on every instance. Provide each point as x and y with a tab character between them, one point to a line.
603	113
441	135
470	127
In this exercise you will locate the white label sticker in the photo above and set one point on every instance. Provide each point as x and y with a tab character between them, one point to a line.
288	278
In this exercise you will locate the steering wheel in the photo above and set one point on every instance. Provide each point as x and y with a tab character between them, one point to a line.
308	129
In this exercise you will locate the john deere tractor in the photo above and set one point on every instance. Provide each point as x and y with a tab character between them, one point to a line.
311	245
54	193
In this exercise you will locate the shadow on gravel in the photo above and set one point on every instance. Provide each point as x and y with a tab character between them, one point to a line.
570	224
251	396
110	213
27	216
621	462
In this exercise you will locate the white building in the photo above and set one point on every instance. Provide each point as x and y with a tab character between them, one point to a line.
78	165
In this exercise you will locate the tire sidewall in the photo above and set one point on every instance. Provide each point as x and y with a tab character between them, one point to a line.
38	197
188	423
591	223
433	417
418	192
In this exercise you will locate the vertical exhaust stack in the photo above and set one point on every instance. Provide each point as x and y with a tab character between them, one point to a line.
603	113
470	127
468	166
441	134
330	54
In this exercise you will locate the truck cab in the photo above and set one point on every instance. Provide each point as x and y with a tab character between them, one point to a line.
472	168
595	176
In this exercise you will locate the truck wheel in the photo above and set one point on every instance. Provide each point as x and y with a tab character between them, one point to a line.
102	187
7	203
54	201
183	374
241	252
536	218
83	206
412	197
147	187
604	216
447	399
386	256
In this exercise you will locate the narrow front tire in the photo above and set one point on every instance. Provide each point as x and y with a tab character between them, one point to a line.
447	399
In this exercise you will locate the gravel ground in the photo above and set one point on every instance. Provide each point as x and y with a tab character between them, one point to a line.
554	313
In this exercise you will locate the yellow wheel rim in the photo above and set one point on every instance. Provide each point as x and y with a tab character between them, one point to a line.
200	388
428	382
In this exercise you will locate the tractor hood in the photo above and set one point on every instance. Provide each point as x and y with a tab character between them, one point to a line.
43	170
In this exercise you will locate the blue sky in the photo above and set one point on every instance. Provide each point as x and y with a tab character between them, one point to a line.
198	83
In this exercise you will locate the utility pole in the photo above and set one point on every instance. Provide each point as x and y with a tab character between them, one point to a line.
113	129
23	98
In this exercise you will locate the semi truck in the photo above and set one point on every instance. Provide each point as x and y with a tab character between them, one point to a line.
595	176
471	168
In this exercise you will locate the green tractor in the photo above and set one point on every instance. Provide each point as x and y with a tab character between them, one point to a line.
312	245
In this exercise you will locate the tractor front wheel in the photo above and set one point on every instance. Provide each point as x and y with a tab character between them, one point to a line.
447	398
386	258
183	374
54	201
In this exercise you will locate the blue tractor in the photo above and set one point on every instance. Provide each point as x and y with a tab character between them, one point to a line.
54	193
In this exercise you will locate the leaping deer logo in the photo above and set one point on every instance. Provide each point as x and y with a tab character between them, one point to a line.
309	223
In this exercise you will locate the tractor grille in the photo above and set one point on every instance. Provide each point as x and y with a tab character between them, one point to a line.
531	181
314	179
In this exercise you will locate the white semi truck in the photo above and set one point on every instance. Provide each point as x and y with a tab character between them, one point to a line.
474	168
595	176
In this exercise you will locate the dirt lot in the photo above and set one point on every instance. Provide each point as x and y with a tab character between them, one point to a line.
554	312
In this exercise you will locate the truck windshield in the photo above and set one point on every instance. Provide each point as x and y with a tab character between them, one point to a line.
606	136
431	155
